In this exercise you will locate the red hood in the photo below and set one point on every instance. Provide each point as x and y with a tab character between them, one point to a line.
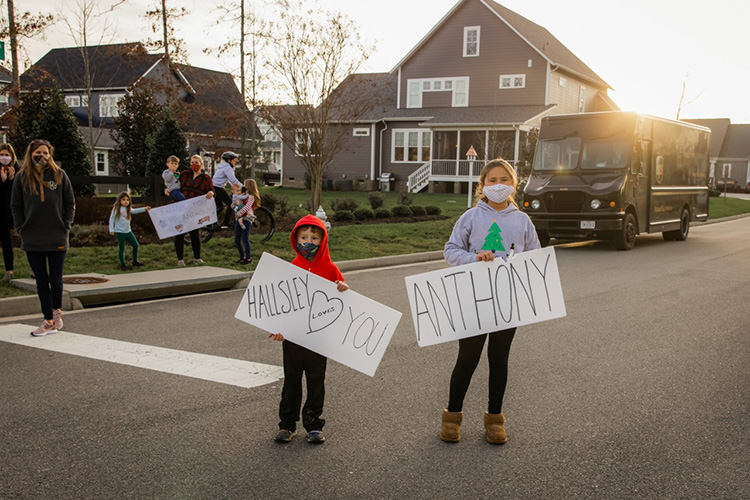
321	263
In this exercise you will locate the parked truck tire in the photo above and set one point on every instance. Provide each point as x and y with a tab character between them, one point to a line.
543	237
624	239
682	233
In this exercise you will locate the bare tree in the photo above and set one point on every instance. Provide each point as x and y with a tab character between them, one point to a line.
682	104
86	18
24	26
313	51
162	19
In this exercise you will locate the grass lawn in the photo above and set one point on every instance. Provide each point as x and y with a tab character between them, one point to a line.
350	242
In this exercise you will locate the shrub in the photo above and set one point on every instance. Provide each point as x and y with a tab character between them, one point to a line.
405	198
714	193
269	201
86	235
401	211
343	215
364	214
376	199
348	204
383	213
432	210
417	210
283	208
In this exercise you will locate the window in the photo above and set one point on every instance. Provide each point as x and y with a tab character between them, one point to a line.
411	145
563	82
361	132
84	101
301	142
108	105
471	41
101	163
581	99
73	101
459	87
512	81
3	99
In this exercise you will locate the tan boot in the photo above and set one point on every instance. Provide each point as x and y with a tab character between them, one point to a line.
451	425
494	425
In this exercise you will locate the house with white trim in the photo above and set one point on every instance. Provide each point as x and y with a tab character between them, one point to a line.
483	77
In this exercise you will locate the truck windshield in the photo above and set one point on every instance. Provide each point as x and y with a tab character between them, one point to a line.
605	153
558	154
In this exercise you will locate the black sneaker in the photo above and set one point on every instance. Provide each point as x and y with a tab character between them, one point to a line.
137	263
124	267
315	437
284	435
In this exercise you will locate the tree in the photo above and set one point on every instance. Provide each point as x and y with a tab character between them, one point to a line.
168	140
682	104
494	242
24	26
161	19
44	114
139	120
311	53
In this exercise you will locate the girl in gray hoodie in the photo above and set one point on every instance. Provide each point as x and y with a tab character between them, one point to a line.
493	228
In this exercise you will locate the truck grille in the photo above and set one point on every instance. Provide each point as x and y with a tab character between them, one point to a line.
564	201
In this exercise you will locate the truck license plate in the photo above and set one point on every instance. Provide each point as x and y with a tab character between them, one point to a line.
588	224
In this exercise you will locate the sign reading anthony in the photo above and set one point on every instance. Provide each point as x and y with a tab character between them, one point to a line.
308	310
483	297
184	216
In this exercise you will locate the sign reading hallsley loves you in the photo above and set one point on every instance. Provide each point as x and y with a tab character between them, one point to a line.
482	297
183	216
309	311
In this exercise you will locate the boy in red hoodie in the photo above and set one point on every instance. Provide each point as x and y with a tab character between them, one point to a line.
310	240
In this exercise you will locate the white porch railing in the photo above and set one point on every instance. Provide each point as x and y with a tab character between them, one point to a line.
418	179
446	171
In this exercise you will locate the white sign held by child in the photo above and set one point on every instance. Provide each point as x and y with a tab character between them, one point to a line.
308	310
482	297
184	216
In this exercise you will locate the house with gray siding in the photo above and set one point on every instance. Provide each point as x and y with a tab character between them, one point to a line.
730	150
482	77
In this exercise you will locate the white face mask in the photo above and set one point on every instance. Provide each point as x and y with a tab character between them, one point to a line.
5	159
497	193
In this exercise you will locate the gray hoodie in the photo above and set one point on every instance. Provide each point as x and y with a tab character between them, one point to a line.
484	228
170	181
44	225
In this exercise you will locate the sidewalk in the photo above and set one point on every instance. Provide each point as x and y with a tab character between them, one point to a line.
122	288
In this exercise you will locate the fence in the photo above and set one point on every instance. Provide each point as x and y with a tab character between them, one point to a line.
154	183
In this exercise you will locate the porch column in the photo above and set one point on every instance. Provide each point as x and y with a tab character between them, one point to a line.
487	145
515	147
458	150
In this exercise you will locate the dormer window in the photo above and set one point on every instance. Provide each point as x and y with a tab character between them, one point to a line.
108	105
471	41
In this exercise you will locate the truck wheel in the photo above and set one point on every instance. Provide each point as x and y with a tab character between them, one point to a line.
543	238
624	239
682	233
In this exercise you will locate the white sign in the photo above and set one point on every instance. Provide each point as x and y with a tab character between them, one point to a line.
482	297
183	216
309	311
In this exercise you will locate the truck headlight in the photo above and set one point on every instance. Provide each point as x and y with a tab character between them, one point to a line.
595	204
535	204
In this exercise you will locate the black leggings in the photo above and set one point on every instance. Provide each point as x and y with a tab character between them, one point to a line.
223	200
7	244
195	241
49	285
469	352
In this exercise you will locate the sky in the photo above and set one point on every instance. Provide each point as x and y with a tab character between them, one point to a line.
645	49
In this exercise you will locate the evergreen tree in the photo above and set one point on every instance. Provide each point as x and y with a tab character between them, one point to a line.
137	125
45	115
494	242
168	140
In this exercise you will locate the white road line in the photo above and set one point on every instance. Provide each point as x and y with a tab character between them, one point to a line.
190	364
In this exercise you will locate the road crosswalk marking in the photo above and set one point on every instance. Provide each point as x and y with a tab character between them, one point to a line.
235	372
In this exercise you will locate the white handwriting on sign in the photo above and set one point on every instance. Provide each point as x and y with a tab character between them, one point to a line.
324	311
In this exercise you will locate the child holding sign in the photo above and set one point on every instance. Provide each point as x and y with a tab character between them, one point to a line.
310	240
494	227
119	225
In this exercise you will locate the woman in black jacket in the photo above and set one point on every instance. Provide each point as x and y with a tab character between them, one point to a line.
8	167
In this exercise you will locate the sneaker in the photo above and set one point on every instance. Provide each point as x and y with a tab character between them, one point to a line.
137	263
44	329
315	437
124	267
245	262
180	263
8	276
57	318
198	262
284	435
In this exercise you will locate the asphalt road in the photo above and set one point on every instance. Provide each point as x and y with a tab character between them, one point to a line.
642	391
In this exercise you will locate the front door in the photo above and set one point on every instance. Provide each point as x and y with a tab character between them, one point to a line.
642	188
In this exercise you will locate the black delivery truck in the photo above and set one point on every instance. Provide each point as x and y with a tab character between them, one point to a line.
614	175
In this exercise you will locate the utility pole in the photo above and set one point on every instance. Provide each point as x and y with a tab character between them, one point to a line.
15	90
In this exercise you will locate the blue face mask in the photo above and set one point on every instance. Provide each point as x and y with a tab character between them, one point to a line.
308	250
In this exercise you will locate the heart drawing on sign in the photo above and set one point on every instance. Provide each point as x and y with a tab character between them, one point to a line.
324	311
178	227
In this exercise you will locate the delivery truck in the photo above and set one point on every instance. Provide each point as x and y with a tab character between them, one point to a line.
615	175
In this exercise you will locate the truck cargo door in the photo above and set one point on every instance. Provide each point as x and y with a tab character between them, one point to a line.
642	187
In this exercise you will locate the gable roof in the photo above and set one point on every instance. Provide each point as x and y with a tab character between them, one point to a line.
718	128
115	66
5	75
736	142
541	40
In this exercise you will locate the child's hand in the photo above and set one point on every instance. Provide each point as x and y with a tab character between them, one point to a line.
486	256
276	336
148	208
166	191
209	195
112	233
341	286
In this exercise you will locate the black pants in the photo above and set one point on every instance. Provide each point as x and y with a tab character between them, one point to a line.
5	241
195	242
49	285
469	352
223	200
299	360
